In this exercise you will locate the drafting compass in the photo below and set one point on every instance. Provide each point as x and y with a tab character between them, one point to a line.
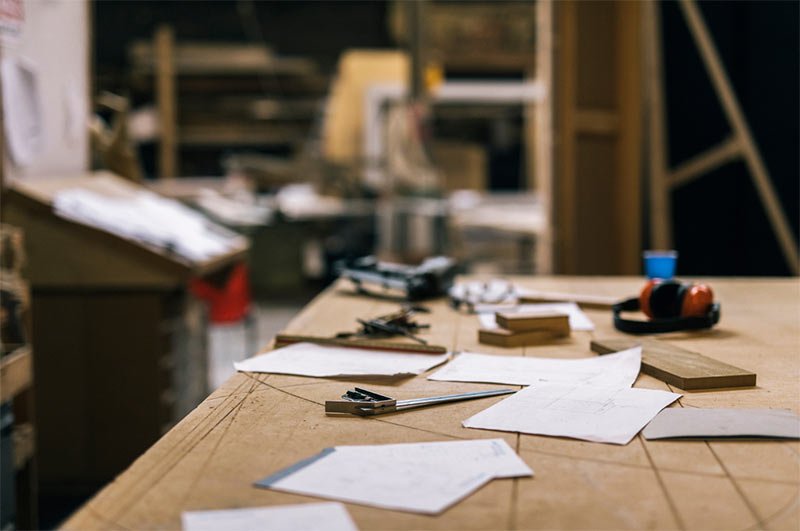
363	402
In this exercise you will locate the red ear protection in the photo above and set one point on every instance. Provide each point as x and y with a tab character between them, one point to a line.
670	298
671	305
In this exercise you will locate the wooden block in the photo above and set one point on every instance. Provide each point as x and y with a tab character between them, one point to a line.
534	320
680	367
507	338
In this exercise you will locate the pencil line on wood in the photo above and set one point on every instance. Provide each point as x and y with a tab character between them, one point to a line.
672	507
737	487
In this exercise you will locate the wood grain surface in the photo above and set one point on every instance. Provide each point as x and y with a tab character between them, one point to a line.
678	366
257	424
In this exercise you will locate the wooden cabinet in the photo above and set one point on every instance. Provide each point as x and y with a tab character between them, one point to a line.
120	342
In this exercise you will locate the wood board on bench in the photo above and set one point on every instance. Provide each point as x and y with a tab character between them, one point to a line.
677	366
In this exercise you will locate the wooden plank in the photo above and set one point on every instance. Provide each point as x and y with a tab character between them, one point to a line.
281	340
680	367
16	373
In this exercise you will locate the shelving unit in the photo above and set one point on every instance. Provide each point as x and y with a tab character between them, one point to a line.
224	96
18	446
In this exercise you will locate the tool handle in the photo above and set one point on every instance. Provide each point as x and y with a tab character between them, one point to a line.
419	402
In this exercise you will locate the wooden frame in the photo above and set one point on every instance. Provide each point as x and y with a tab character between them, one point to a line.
739	145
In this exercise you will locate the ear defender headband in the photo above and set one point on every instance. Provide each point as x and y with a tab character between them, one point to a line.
671	306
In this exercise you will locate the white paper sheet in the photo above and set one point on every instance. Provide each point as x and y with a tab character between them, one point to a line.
578	320
307	359
679	422
417	477
599	414
22	106
612	370
146	217
326	516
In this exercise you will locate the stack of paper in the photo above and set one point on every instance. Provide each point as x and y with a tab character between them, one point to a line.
419	477
612	370
307	359
145	217
329	516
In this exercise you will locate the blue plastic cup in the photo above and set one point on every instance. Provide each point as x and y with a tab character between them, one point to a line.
660	264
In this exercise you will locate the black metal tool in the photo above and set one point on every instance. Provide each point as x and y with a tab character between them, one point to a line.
431	278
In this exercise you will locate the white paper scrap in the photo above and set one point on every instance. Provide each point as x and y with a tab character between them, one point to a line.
612	370
326	516
308	359
599	414
417	477
578	320
712	423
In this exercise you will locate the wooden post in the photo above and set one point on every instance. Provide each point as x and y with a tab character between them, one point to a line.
629	145
660	214
539	136
566	102
165	101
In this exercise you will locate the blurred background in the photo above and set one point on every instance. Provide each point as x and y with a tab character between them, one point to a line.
179	178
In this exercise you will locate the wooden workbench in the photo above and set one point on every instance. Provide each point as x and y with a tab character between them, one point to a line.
257	424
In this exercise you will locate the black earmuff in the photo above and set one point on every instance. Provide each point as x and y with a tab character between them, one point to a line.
671	306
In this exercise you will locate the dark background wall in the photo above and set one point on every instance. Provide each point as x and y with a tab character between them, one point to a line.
720	226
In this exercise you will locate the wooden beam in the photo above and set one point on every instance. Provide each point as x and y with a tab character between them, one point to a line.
705	162
564	207
165	101
733	111
540	142
660	216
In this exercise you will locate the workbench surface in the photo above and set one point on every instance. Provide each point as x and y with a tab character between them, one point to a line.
257	424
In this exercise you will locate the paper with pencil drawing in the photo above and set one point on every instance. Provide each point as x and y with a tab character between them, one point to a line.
612	370
307	359
326	516
599	414
418	477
